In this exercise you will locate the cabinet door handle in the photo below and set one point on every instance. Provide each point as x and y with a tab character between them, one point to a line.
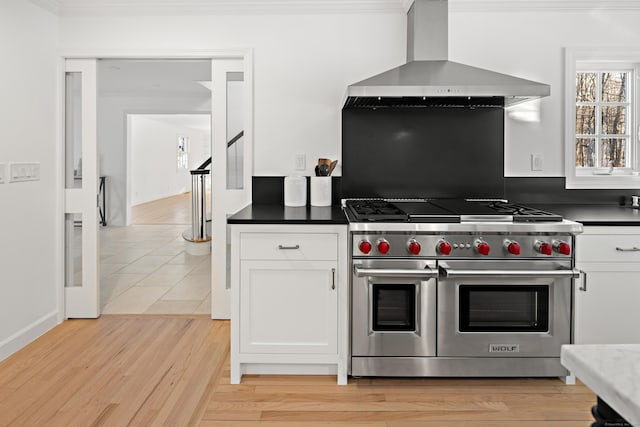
583	288
633	249
333	279
288	247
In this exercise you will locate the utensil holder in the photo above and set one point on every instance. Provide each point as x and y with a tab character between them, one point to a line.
320	191
295	191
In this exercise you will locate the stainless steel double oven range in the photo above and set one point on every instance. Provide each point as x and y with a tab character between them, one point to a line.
459	288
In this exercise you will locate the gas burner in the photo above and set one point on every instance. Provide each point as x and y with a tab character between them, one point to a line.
375	210
523	213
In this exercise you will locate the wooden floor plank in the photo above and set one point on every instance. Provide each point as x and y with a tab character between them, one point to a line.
174	371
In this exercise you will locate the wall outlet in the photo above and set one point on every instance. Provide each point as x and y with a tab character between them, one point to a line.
301	162
536	162
2	178
19	172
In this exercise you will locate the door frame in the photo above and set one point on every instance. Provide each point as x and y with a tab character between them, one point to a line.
218	277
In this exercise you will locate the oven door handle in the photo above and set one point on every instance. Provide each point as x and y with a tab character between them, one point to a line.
394	272
448	272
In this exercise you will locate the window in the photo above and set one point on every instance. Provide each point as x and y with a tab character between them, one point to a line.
601	118
603	113
183	153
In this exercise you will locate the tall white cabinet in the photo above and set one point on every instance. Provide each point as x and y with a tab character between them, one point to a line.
289	295
607	301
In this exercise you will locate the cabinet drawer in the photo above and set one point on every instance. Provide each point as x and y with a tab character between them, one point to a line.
289	246
608	248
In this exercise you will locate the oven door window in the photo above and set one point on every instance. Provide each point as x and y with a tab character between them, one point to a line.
394	307
504	308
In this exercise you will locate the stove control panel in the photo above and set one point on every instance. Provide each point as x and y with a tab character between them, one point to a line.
460	245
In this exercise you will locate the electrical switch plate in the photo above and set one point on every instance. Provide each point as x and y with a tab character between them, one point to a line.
536	162
19	172
301	162
2	168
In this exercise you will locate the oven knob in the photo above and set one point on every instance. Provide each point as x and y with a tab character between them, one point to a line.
414	247
383	246
365	247
561	247
543	247
482	247
444	247
512	247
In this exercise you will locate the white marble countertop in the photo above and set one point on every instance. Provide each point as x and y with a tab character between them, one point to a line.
612	371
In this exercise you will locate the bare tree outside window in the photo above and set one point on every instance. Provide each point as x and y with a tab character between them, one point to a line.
602	111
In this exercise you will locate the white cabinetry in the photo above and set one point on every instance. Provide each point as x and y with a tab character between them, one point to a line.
289	300
608	311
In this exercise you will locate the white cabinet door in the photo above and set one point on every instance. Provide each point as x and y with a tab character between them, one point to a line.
288	307
607	308
608	311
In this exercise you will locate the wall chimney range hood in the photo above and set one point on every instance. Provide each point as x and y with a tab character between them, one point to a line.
429	78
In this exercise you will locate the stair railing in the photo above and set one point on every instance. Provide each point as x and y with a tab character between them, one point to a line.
199	197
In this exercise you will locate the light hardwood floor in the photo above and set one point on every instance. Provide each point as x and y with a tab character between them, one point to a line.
169	210
174	371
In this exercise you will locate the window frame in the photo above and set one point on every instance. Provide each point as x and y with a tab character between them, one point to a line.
601	59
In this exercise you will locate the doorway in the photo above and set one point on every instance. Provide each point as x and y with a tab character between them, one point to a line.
155	87
146	266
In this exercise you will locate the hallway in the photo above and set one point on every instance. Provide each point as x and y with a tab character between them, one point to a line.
144	268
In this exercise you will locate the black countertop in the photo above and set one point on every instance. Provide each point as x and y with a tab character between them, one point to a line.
590	214
587	214
279	214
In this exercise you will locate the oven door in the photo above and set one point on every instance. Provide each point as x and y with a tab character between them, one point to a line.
506	309
394	308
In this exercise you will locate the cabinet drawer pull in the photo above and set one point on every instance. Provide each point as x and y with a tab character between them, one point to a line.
633	249
333	278
288	247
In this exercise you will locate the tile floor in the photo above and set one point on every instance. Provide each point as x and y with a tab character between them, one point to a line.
145	269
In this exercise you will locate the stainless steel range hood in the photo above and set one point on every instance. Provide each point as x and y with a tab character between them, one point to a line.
429	78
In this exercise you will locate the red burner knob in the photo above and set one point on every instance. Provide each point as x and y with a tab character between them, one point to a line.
365	247
383	246
444	247
513	247
562	248
543	247
414	247
483	248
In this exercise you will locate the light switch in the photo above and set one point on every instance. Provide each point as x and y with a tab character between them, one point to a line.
19	172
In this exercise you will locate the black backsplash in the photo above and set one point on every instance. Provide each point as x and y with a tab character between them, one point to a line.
269	190
430	152
550	190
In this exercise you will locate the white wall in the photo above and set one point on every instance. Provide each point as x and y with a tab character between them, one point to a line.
530	44
28	263
304	63
153	157
302	66
112	112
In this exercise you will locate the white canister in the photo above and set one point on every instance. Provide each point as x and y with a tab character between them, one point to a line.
320	191
295	191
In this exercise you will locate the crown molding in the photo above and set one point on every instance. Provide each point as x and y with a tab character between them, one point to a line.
542	5
257	7
50	5
225	7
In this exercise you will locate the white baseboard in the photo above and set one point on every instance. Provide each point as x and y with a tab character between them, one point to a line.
28	334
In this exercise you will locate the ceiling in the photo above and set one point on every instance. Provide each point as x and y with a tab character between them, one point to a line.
217	7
